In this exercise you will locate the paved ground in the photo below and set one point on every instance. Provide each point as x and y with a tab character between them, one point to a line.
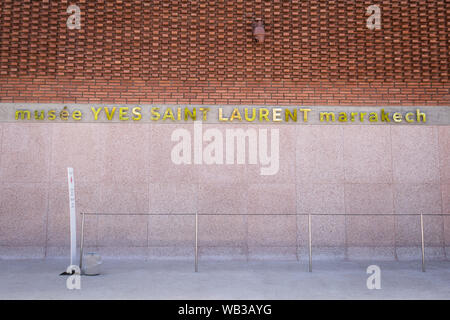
125	279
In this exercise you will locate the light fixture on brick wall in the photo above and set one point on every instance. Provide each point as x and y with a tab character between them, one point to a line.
258	30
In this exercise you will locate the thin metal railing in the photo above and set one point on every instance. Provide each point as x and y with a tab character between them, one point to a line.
309	215
196	242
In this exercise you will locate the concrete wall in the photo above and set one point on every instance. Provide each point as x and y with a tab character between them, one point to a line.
323	169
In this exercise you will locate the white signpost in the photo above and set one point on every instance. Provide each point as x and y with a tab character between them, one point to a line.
73	219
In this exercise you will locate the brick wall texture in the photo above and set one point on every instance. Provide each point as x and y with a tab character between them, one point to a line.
317	52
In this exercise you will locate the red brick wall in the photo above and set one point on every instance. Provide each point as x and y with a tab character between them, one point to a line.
203	52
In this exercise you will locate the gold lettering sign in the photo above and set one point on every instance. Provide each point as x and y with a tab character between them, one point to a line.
235	115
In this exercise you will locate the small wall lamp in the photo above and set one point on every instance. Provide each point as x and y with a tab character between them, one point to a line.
258	30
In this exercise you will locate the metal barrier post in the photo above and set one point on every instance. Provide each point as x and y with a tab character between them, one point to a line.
423	242
82	241
310	242
196	241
